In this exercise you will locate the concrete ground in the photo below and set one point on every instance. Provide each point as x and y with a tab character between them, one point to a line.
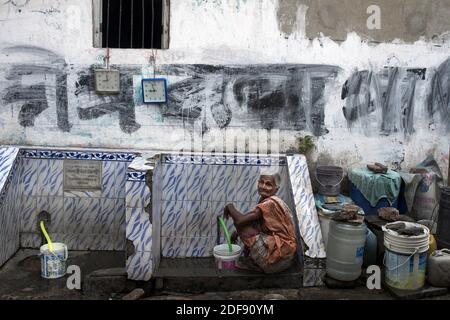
20	279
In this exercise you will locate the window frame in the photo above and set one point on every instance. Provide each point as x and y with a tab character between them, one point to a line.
97	6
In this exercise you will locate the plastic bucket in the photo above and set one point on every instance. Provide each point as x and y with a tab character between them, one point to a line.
53	265
329	179
405	258
224	258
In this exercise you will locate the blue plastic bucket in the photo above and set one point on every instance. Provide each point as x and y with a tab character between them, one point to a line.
53	264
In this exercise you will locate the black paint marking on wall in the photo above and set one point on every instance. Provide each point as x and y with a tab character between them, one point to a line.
390	92
287	97
32	84
438	100
93	106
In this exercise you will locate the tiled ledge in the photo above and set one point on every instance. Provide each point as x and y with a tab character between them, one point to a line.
225	160
76	155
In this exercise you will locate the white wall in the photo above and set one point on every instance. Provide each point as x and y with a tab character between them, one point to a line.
224	32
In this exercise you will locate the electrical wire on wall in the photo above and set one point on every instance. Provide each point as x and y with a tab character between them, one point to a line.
153	52
107	56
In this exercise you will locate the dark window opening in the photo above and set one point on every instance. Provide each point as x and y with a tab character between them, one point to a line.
132	24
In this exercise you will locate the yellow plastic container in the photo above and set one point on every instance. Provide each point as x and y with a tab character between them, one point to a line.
433	245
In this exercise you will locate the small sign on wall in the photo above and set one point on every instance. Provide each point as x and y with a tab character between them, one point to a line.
82	175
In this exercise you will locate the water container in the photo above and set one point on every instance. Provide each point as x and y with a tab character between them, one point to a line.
329	179
345	250
443	229
405	257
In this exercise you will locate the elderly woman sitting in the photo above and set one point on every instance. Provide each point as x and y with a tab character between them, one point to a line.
267	231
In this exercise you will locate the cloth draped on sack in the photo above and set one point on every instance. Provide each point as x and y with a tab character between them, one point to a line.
412	181
375	186
278	229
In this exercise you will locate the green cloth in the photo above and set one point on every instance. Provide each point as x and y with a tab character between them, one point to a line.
376	186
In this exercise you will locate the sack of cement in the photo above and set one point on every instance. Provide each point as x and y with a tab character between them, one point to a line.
428	192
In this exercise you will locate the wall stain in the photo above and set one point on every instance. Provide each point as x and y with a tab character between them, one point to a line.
390	91
438	100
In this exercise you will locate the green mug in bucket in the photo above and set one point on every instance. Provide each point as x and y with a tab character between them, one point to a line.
53	264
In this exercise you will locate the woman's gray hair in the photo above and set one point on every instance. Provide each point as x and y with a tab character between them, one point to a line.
273	171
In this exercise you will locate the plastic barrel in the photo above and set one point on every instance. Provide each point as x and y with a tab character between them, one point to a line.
345	250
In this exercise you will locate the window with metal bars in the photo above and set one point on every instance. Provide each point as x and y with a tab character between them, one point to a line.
133	24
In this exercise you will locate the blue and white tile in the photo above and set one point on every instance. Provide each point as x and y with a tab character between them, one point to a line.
173	219
305	206
8	157
121	225
55	207
29	214
246	183
80	214
173	247
29	177
216	208
137	176
198	182
30	240
105	220
78	241
120	179
200	247
137	194
222	176
50	178
83	194
139	266
198	219
102	242
139	229
172	187
108	180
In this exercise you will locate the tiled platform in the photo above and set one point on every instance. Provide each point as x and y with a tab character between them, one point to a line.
201	274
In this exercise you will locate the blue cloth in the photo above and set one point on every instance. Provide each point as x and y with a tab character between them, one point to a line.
376	186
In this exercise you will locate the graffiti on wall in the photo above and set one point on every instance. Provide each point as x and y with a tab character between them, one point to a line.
438	101
289	97
384	102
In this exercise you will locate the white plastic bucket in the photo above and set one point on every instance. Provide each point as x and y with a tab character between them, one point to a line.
53	265
405	257
224	258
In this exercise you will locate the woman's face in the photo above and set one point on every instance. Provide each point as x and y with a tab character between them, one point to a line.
267	186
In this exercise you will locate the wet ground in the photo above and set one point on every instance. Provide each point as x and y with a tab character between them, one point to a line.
20	277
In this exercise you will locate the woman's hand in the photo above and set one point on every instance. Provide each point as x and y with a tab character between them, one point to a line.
227	209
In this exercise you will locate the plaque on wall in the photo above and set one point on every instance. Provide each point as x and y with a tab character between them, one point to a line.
82	175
